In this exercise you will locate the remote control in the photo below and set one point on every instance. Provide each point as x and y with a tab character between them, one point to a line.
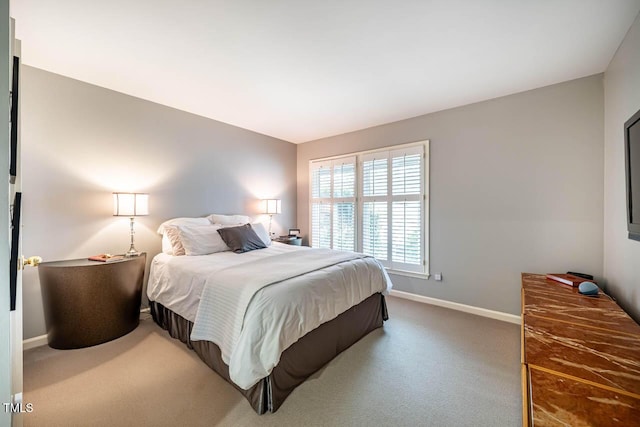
583	275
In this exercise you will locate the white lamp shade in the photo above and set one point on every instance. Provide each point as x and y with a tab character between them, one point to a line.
130	204
272	206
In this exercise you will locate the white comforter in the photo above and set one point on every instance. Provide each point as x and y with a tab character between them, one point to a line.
277	316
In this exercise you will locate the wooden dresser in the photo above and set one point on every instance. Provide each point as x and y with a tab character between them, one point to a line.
580	358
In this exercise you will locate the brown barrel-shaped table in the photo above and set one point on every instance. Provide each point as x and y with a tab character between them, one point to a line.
89	302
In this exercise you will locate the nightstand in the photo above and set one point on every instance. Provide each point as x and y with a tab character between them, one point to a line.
90	302
296	241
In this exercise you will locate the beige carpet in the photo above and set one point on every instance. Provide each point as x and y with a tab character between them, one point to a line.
428	366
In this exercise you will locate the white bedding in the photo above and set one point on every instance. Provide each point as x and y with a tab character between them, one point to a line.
277	316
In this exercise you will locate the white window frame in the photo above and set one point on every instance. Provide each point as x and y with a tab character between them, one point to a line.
390	266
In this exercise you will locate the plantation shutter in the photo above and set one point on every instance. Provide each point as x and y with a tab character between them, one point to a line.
407	201
373	202
344	204
375	215
392	206
333	203
375	222
321	204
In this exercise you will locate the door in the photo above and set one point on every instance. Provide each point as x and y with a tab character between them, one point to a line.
16	407
5	230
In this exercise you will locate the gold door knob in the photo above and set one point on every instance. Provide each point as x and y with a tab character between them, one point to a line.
32	261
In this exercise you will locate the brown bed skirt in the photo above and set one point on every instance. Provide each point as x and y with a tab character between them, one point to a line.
298	362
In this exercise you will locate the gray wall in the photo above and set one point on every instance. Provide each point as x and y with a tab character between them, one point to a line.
622	100
516	186
82	142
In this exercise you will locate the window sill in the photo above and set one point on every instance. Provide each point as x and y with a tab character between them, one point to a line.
424	276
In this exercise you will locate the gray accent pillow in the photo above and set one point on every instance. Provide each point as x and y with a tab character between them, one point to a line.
241	239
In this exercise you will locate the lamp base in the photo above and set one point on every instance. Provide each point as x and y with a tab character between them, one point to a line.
132	252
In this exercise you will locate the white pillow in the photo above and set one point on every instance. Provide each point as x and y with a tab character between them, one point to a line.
201	239
228	219
166	245
262	232
172	234
183	221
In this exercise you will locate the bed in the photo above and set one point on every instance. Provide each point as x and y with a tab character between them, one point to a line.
267	319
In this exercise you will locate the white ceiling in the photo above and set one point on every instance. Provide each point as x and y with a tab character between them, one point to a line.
300	70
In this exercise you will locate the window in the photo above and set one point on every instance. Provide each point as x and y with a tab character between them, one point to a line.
333	203
374	202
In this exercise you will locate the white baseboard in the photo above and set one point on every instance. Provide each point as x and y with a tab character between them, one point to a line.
34	342
498	315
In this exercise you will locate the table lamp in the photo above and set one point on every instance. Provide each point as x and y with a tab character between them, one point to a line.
131	205
271	207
